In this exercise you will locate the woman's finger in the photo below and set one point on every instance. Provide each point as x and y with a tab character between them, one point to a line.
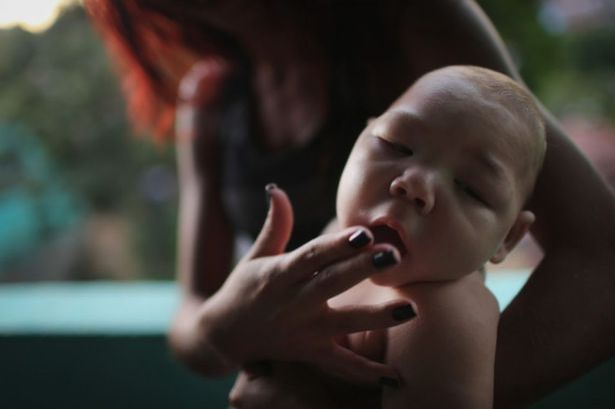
240	391
252	393
340	276
278	226
348	320
325	250
344	363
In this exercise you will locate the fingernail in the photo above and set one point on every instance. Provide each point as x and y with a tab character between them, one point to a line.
389	382
359	239
384	259
403	313
268	189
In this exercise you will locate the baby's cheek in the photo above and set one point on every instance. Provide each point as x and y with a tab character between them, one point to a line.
342	202
467	261
348	204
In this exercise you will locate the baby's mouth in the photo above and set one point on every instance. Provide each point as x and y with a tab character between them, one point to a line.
386	234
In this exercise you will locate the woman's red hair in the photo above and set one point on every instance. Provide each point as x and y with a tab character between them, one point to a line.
154	43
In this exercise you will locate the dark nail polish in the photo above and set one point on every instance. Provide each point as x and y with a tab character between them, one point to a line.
403	313
384	259
268	189
389	382
359	239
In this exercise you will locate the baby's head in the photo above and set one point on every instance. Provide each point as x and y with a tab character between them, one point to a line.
445	173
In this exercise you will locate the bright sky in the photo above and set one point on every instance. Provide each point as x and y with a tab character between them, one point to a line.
32	15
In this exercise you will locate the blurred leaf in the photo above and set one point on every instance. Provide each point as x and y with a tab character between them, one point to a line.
60	86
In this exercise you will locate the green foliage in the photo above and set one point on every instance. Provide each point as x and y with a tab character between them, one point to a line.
35	205
572	71
593	57
595	50
60	86
536	52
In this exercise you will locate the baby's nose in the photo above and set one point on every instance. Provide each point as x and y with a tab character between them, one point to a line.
417	188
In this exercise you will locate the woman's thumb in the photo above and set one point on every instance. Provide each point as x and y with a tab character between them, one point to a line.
278	226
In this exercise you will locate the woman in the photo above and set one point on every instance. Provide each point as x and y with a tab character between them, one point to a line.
277	91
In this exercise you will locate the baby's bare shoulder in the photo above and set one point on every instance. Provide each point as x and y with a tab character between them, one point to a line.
451	298
446	354
461	313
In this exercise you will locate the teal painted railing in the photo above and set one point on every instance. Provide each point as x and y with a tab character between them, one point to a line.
102	344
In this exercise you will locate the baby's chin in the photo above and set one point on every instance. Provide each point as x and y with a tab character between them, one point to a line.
378	281
393	277
398	276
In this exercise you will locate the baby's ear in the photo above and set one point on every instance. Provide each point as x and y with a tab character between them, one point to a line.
515	234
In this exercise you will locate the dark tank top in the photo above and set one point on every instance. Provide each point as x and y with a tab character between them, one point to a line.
309	174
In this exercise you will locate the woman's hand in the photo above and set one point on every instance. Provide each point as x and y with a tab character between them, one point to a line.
296	386
274	306
286	387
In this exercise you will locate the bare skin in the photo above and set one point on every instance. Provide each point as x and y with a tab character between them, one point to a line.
561	311
414	174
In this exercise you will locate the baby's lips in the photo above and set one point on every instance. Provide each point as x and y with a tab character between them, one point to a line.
387	232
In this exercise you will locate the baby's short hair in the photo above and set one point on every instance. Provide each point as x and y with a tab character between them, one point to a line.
500	89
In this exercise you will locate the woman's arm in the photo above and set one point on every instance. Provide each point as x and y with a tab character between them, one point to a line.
295	386
205	238
563	321
272	306
438	33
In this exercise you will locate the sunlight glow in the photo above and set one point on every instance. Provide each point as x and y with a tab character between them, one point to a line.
31	15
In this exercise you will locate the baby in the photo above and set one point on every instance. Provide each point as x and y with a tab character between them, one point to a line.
443	176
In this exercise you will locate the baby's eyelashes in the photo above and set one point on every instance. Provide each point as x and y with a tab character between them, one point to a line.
395	147
470	192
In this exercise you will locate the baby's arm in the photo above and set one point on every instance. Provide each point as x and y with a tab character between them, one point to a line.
446	355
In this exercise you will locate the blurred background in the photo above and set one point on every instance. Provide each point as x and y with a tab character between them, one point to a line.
87	206
82	197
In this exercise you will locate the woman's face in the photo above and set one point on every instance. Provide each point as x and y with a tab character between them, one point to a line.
433	177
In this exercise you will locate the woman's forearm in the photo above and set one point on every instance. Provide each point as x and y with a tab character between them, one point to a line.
205	239
556	329
562	323
189	341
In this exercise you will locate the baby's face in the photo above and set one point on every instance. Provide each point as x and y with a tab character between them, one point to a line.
438	178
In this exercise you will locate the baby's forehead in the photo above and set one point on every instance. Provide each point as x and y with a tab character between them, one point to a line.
444	105
459	113
444	83
462	118
485	103
456	93
455	97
